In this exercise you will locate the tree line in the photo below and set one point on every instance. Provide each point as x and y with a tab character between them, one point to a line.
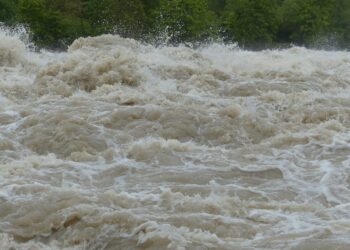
251	23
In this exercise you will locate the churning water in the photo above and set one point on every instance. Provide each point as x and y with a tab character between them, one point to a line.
121	145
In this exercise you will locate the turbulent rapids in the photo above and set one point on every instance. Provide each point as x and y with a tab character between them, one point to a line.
116	144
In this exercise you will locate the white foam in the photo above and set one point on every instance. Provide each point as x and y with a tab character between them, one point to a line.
115	143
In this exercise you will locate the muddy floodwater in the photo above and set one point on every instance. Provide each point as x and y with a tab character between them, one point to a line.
116	144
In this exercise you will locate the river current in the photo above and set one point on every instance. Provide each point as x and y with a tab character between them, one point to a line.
116	144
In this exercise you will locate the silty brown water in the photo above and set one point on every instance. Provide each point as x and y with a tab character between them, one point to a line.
121	145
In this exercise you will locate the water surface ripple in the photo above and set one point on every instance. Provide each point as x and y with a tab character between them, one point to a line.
117	144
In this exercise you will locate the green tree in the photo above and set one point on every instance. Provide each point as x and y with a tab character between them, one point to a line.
341	22
50	27
251	22
68	7
8	11
125	17
184	20
304	21
149	8
216	5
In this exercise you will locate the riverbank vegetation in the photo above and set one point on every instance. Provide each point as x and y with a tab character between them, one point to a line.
251	23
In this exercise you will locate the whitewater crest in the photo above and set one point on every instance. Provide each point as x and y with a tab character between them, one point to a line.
89	65
11	51
116	144
13	45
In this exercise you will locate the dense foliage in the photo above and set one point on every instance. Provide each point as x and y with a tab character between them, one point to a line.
251	23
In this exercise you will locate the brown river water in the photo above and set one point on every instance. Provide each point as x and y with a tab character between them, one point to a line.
116	144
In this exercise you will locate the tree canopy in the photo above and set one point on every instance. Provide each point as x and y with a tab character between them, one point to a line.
251	23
